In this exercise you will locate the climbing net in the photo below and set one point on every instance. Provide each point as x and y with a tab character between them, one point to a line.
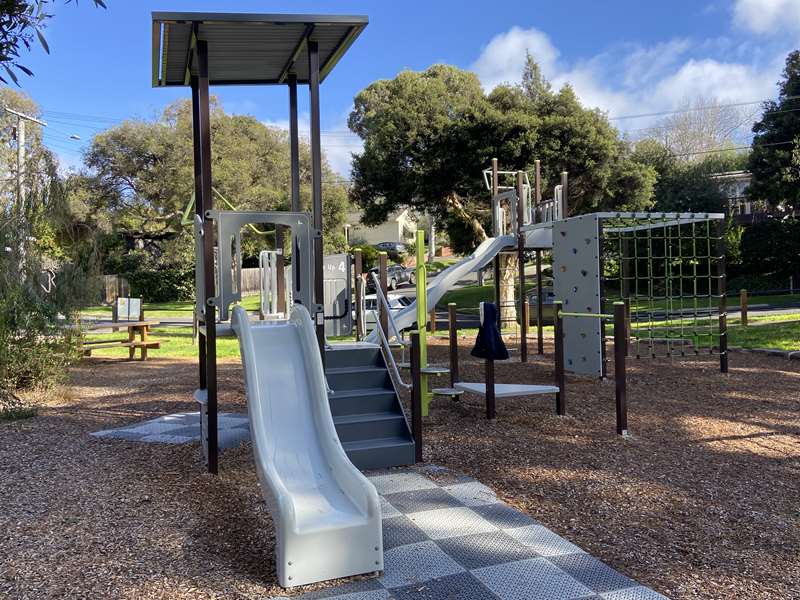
669	270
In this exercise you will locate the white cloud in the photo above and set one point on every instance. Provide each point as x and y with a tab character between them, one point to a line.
631	79
767	16
503	58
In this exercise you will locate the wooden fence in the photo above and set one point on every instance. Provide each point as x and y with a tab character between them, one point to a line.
251	281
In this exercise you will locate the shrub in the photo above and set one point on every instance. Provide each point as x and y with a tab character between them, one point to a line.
163	284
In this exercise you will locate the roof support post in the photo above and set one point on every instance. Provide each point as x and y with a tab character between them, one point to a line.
294	158
198	206
316	186
204	201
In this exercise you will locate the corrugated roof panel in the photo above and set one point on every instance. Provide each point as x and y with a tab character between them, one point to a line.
245	48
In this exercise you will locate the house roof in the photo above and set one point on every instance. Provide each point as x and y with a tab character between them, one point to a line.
248	48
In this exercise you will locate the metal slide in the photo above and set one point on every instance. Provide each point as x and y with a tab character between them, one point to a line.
483	254
326	513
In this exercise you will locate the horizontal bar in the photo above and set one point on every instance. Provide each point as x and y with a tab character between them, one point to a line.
591	315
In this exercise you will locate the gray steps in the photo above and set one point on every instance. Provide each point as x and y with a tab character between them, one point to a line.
366	410
350	402
380	453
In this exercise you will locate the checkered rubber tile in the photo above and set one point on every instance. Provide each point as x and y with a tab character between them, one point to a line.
458	542
181	428
591	572
452	587
533	579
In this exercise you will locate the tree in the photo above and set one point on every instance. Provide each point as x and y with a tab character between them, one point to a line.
775	142
534	84
20	21
428	135
139	179
699	126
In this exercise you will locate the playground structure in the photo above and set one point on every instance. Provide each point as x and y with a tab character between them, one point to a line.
339	408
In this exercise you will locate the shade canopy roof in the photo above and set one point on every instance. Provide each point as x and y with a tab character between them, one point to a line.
245	48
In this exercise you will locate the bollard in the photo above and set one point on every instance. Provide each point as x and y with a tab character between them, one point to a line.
384	317
743	307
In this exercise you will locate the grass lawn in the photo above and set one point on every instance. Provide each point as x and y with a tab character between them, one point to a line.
160	310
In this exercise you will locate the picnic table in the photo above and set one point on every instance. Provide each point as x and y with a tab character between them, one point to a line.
135	328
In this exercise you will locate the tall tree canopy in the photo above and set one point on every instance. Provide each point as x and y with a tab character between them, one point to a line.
776	144
140	178
428	135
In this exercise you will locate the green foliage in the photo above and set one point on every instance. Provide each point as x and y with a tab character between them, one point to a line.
686	186
428	135
369	256
140	178
776	144
772	248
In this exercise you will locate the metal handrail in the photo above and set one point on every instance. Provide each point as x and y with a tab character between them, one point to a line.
384	302
387	349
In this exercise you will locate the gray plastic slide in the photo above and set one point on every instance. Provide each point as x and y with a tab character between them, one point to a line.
483	254
326	514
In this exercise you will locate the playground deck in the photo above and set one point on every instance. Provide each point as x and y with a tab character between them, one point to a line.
700	503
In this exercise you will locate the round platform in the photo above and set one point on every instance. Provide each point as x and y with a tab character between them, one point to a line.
452	393
435	371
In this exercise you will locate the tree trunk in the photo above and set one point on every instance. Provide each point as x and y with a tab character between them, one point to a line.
508	285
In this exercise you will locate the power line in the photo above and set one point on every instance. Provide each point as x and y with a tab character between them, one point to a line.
734	148
696	109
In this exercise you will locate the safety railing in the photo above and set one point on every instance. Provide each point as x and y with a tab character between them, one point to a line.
383	305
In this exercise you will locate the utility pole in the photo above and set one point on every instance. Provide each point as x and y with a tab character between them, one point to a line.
22	118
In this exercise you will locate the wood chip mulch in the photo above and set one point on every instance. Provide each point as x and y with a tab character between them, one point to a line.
702	502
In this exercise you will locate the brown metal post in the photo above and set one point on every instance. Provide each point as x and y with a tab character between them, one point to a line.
523	330
432	321
537	184
539	304
382	270
620	378
723	302
558	333
199	211
564	195
491	405
743	307
359	269
496	227
294	161
279	264
416	396
205	202
316	188
452	325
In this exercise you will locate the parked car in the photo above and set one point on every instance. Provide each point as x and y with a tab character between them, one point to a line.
396	275
395	250
396	303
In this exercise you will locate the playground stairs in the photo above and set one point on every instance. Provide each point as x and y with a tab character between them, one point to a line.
366	409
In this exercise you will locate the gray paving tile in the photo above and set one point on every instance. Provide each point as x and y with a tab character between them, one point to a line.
387	510
472	493
419	500
365	589
504	516
400	481
187	431
165	438
451	522
592	572
634	593
533	579
485	549
543	541
462	586
232	438
416	563
399	531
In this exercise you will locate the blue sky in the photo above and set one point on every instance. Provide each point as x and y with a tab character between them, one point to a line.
625	57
